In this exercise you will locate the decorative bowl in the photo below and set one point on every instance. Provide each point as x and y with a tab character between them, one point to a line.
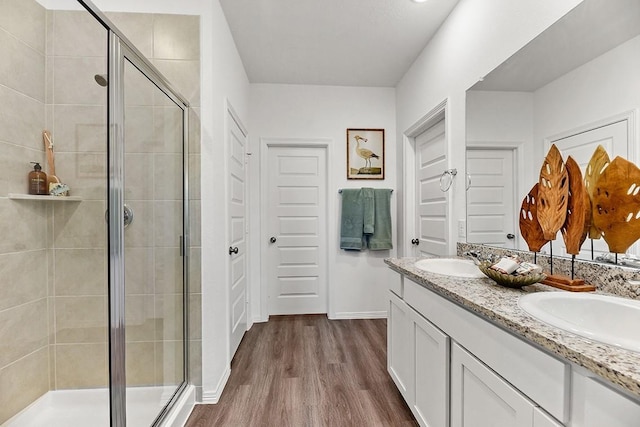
510	280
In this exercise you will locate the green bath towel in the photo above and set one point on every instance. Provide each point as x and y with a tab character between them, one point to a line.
368	211
352	220
381	237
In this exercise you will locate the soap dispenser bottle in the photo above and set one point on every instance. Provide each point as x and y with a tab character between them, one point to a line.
37	180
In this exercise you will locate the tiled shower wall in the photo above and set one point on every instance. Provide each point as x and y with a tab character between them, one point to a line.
52	255
24	364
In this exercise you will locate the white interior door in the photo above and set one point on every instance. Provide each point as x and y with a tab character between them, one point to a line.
237	140
297	230
614	138
491	205
432	224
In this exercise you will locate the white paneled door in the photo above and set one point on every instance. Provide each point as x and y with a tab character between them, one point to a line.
238	253
614	138
491	206
297	231
432	224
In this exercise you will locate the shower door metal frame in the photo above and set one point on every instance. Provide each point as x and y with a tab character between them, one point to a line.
121	50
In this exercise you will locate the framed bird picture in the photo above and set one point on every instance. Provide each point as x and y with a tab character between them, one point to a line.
365	153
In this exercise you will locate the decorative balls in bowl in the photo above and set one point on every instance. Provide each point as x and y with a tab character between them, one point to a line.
510	280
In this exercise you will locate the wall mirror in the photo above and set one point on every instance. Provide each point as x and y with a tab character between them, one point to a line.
576	85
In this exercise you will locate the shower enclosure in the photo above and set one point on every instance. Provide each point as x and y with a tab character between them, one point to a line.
93	290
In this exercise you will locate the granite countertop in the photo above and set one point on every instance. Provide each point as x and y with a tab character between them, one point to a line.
500	305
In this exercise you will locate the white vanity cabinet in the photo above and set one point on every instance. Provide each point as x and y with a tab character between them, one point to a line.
418	362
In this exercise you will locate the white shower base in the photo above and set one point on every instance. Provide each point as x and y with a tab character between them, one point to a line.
90	407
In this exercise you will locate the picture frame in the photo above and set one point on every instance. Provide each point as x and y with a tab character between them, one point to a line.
365	153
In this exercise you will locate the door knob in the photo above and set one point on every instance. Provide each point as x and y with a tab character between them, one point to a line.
272	239
415	242
511	236
233	250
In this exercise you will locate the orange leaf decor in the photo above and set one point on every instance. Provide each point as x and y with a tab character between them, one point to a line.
599	161
529	225
553	193
577	223
616	204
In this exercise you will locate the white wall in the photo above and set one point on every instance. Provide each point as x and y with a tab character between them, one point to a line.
602	88
357	280
477	37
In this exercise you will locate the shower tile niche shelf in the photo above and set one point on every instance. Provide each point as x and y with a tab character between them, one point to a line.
17	196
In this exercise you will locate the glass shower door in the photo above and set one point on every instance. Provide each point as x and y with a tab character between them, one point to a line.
153	245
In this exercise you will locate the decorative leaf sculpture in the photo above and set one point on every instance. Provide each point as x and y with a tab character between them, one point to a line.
616	204
599	161
578	221
553	193
529	225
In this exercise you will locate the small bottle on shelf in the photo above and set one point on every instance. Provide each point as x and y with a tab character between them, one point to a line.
37	180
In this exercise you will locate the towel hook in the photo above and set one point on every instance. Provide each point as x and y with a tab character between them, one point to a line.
446	179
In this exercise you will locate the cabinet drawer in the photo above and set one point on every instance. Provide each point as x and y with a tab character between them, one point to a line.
538	375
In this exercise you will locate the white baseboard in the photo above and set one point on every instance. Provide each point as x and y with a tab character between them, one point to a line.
359	315
213	396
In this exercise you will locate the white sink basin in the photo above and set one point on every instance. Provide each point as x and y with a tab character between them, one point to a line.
603	318
450	267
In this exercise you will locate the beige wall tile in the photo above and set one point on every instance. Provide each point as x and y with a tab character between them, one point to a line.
22	225
22	68
139	271
81	319
139	176
168	182
140	318
138	89
184	75
194	176
195	269
23	382
74	81
85	173
195	222
80	272
81	366
176	37
24	277
194	130
195	362
138	130
80	128
169	312
139	234
15	166
140	361
169	362
77	33
168	130
24	19
168	271
23	330
22	119
195	316
137	27
80	225
167	223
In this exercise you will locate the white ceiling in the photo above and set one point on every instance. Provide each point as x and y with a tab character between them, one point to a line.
332	42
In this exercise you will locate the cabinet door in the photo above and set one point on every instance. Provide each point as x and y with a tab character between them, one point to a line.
542	419
431	404
400	346
594	404
480	398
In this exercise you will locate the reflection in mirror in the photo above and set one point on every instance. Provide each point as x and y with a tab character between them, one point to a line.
576	85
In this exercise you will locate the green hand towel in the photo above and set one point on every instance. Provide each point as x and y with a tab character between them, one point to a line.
351	221
381	237
368	211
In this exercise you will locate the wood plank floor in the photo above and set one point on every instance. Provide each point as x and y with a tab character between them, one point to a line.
309	371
